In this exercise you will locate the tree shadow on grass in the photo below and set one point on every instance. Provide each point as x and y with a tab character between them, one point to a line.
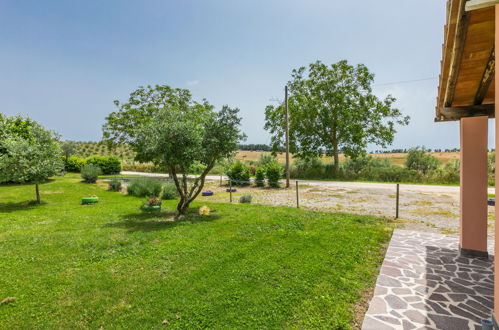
154	221
20	206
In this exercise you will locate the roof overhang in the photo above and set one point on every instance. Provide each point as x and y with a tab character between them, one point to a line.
467	87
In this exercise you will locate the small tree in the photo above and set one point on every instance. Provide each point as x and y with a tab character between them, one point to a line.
68	149
28	155
164	126
419	160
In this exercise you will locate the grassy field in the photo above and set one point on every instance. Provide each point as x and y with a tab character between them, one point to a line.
395	158
108	265
86	149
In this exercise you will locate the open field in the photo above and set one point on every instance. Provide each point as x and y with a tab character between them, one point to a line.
65	265
395	158
86	149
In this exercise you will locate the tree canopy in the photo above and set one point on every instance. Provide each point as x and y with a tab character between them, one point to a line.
333	110
165	126
28	152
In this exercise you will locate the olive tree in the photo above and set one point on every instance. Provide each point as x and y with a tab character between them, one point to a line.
28	152
332	110
164	126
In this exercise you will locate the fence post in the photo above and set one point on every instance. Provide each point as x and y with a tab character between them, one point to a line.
230	189
220	180
297	197
397	202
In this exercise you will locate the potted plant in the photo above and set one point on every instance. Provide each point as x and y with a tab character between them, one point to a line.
153	204
89	199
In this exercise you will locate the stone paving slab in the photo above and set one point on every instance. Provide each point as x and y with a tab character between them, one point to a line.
425	284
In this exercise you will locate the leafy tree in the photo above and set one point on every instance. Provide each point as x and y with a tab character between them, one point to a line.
28	152
420	160
166	127
122	126
333	110
68	149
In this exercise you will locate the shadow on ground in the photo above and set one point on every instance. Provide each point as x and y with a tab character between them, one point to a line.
20	206
154	221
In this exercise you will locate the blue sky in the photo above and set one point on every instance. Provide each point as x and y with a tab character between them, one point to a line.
64	62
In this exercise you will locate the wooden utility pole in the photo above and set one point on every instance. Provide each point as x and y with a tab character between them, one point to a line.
287	133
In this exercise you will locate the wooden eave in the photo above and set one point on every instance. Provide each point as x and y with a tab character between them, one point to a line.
466	82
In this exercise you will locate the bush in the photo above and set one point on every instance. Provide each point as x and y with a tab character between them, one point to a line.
143	167
266	159
260	176
238	174
108	165
450	173
144	187
74	164
419	160
169	191
245	199
274	174
90	173
309	168
115	184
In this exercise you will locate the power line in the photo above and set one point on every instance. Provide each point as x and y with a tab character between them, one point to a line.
405	81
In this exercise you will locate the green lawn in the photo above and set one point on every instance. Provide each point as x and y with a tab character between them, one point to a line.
244	266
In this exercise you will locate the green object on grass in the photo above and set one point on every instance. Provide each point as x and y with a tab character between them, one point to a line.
89	200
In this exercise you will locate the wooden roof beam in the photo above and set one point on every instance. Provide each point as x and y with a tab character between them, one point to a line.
487	77
479	4
456	113
457	53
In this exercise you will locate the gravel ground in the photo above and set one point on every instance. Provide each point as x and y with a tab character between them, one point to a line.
421	207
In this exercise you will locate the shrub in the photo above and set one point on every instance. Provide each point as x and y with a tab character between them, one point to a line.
115	184
169	191
238	174
90	173
245	199
74	164
450	173
274	174
419	160
266	159
144	187
308	168
143	167
260	176
491	160
154	201
108	165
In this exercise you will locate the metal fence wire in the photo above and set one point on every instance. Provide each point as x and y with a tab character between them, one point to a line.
434	206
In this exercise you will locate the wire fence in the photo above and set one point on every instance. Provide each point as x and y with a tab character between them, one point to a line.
435	207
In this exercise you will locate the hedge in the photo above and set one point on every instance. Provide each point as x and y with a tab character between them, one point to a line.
107	164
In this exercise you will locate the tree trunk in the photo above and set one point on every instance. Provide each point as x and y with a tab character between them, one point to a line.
336	157
37	190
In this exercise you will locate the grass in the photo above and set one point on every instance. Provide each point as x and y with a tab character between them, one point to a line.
244	266
434	212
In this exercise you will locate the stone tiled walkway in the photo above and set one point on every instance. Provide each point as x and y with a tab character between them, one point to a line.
425	284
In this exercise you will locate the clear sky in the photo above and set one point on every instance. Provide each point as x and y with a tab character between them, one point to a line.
64	62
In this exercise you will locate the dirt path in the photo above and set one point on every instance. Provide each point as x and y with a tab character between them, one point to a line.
422	207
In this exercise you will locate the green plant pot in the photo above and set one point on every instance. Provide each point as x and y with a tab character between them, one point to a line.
147	208
89	200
